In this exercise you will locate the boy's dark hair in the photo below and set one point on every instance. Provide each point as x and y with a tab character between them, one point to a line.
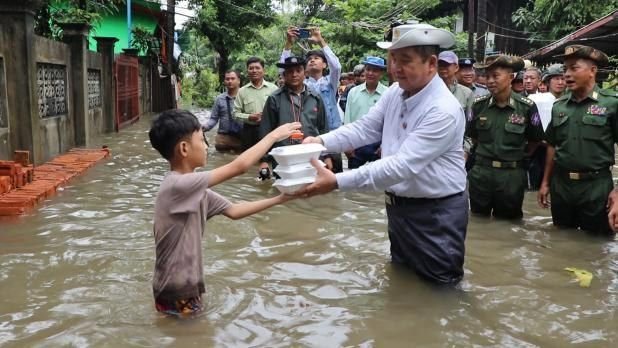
169	128
255	60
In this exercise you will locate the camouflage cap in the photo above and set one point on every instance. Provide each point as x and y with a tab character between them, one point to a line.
585	52
553	70
519	76
502	60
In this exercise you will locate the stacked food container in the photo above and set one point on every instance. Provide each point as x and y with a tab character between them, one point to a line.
294	166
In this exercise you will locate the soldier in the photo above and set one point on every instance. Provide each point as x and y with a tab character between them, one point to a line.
580	151
466	76
505	127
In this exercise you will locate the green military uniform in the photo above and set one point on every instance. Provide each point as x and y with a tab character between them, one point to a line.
583	135
497	181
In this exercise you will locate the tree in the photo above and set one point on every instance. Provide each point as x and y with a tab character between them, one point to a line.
553	19
53	12
230	25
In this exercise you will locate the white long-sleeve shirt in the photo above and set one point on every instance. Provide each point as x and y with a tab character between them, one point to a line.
421	136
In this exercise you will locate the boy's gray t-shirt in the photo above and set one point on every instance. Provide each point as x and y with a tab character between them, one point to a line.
183	205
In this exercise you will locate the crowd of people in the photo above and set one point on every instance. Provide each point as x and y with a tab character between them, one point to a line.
446	137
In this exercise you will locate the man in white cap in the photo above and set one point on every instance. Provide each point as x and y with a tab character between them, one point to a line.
421	125
447	70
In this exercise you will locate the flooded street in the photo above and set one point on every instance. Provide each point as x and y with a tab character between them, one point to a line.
77	272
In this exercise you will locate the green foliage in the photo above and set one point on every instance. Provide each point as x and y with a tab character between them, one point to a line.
553	19
200	89
142	39
53	12
229	25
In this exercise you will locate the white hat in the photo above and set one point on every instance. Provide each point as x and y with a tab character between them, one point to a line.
419	35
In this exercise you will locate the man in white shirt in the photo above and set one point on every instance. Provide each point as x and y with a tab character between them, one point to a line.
420	124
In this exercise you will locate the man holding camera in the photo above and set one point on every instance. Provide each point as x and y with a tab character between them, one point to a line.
316	63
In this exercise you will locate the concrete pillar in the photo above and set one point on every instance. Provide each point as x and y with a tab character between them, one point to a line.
21	125
76	36
105	46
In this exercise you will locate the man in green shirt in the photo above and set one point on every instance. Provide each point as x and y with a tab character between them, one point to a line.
447	69
504	127
250	100
580	146
360	99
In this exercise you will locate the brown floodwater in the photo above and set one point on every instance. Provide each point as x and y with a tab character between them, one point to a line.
77	272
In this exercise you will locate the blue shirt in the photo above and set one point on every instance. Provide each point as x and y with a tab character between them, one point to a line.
326	85
222	113
421	136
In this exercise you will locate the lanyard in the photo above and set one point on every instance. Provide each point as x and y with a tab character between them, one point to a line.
293	107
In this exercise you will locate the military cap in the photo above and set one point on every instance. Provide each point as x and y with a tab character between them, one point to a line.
553	70
519	76
466	62
502	60
291	61
585	52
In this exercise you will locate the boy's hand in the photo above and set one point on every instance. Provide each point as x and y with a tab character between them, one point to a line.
285	131
282	198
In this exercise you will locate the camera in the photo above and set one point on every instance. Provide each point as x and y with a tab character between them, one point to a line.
304	33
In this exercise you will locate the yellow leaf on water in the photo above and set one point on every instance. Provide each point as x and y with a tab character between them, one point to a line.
582	275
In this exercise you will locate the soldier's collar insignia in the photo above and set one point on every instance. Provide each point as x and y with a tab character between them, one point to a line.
595	95
561	115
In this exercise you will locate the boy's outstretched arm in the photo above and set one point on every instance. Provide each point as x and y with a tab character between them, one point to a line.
245	160
240	210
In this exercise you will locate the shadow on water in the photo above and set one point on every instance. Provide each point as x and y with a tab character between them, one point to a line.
77	272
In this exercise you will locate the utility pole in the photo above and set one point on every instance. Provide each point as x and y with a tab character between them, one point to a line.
471	28
481	15
169	41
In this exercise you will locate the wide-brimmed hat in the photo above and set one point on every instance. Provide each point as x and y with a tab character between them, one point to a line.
418	35
375	61
501	60
463	62
291	61
553	70
585	52
448	56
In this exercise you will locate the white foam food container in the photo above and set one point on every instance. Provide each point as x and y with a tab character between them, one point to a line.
297	170
295	154
291	186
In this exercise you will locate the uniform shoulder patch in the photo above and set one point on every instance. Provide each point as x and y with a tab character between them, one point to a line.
482	97
523	99
608	93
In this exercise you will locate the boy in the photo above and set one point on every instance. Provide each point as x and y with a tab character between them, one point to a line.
184	203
